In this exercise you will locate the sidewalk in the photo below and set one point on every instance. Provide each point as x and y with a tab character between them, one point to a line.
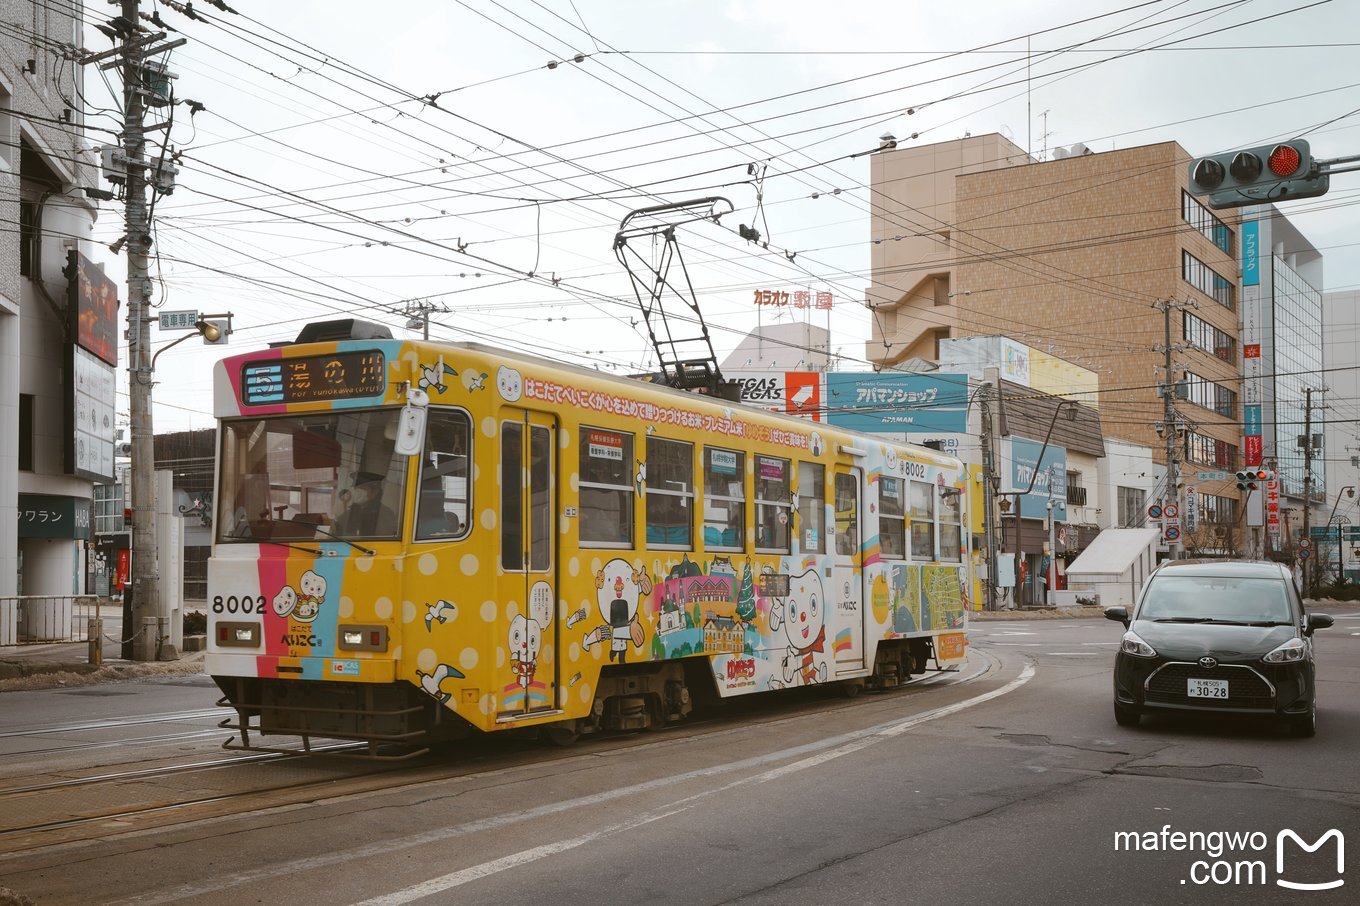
61	664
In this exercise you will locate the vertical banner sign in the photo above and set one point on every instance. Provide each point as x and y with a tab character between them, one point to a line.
1191	514
91	359
1273	513
1252	389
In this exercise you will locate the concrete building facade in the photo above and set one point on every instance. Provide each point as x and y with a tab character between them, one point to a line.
44	167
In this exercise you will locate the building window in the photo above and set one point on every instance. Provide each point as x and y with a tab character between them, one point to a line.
606	470
1131	506
1076	494
892	518
922	520
774	504
25	432
670	494
724	499
812	508
1207	280
1202	334
28	213
1210	450
1204	220
1203	392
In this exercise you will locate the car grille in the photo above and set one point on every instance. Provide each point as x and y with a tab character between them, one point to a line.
1246	687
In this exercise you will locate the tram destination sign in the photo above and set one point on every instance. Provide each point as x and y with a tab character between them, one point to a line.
311	379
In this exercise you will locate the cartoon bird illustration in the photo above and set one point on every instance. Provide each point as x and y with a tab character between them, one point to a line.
430	681
433	376
443	611
640	480
474	381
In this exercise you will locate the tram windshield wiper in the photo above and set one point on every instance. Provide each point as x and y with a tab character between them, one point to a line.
246	533
329	534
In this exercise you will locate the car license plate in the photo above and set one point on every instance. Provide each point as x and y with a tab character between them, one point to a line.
1207	688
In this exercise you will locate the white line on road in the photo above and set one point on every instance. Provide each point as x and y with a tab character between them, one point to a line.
1075	653
873	735
1015	644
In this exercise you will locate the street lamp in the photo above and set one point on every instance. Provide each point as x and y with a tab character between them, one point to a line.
146	608
1071	416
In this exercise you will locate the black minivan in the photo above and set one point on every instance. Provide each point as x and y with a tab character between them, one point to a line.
1221	636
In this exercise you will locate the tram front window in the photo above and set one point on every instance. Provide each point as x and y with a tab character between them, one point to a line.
311	477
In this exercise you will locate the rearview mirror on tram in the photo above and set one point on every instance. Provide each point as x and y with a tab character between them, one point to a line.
411	424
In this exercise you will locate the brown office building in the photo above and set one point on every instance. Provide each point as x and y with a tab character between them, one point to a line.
1080	255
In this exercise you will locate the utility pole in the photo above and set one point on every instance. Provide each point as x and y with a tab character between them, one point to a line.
1168	391
1307	476
146	590
147	610
1052	543
418	314
988	497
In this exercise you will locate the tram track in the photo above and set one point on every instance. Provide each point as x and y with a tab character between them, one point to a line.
82	808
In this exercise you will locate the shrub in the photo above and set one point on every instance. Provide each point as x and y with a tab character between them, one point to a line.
195	623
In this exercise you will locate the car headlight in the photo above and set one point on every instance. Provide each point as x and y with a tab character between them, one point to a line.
1135	646
1292	650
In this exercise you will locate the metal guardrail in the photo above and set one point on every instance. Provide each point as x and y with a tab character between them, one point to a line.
43	619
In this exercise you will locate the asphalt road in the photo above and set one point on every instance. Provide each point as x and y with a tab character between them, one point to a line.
1008	783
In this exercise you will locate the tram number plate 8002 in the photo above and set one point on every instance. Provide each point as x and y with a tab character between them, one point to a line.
1206	688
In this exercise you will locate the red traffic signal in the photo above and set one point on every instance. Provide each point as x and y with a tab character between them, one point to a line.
1278	172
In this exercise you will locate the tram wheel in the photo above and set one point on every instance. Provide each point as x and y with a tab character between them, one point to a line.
562	735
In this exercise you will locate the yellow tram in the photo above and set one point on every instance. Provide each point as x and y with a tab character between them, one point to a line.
416	540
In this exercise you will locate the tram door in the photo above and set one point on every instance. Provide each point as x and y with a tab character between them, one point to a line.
529	551
845	597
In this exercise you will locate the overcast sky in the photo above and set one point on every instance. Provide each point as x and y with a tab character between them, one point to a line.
315	182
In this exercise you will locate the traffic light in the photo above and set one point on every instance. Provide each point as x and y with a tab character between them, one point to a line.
1277	172
1251	479
127	517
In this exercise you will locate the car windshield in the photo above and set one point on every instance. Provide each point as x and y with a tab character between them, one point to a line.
311	477
1228	599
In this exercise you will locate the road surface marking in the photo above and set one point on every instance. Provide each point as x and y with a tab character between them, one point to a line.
869	737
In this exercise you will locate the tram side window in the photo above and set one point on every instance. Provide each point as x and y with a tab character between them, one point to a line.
847	515
512	496
812	508
951	527
606	480
724	499
892	522
442	510
774	504
670	494
922	520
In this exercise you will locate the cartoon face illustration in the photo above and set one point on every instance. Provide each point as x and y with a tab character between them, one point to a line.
509	383
890	460
526	640
816	445
285	601
802	616
619	588
313	595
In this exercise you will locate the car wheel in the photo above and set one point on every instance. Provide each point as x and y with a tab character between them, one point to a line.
1304	725
1126	718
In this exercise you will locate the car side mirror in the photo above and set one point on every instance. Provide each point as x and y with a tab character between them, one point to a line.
1318	621
1118	614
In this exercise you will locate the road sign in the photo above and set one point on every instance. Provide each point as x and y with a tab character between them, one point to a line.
1305	553
1305	544
1155	511
1322	531
1171	510
1173	533
1351	533
1212	476
178	320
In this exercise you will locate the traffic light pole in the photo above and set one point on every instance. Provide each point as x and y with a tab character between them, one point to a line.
1307	478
